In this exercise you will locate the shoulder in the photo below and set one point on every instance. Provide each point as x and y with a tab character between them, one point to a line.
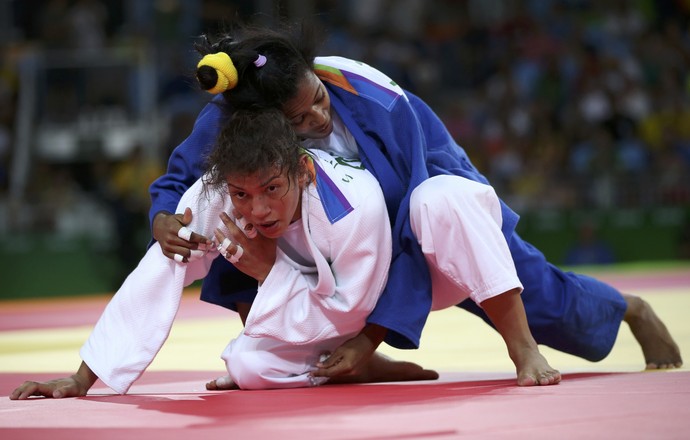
358	79
342	185
341	170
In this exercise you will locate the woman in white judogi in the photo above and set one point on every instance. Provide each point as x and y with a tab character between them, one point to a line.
332	251
331	261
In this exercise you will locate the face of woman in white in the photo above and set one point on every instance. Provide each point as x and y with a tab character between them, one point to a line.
309	111
270	199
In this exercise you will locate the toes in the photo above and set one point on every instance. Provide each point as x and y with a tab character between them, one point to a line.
551	378
663	365
527	381
424	375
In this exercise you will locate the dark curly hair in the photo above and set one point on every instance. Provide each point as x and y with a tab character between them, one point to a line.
253	141
289	53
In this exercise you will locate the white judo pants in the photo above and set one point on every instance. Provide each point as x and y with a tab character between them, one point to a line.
265	363
457	223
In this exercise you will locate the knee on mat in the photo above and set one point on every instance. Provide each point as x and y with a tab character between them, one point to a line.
249	370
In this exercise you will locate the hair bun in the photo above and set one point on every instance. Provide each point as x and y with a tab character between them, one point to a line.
226	73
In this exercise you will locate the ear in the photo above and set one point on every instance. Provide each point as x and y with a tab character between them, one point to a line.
305	175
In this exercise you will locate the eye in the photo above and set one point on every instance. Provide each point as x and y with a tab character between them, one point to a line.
297	120
239	195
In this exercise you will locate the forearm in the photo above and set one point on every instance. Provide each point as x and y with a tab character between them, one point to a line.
165	196
186	163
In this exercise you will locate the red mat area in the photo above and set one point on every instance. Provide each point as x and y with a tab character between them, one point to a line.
70	312
174	405
169	405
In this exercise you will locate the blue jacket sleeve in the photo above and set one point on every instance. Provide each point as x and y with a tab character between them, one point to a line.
186	164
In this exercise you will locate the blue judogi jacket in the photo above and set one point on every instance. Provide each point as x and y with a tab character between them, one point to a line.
401	141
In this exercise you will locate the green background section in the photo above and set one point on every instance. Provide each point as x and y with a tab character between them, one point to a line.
633	234
42	266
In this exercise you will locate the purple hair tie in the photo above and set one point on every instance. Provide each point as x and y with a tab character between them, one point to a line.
260	61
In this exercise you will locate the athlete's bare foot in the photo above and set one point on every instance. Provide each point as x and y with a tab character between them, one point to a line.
533	369
659	349
221	384
381	368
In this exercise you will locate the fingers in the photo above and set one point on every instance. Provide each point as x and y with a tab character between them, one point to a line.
187	216
187	235
228	249
235	256
232	227
65	391
236	238
30	388
332	371
332	366
166	231
326	360
246	227
181	243
237	225
220	237
184	233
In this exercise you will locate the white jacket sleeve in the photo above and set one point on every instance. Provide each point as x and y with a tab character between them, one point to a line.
137	320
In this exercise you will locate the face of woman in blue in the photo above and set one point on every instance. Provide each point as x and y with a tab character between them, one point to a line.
270	199
309	111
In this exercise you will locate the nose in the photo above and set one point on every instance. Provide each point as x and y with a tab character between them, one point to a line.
317	116
260	208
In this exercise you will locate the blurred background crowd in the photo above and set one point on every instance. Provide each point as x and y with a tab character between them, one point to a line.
576	110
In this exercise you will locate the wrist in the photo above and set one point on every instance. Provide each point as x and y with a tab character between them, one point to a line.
156	224
85	377
375	333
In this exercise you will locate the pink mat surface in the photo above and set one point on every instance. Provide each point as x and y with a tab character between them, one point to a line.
173	405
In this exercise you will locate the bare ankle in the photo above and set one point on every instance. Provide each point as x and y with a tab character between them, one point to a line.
636	308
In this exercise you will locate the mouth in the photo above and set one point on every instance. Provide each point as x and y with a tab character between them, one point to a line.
267	227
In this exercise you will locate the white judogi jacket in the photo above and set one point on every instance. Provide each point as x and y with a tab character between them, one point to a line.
348	233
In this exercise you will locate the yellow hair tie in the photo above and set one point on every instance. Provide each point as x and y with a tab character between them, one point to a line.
225	69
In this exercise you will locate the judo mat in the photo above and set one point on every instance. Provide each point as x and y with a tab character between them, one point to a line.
475	397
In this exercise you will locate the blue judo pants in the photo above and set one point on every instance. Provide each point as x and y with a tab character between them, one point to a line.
569	312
